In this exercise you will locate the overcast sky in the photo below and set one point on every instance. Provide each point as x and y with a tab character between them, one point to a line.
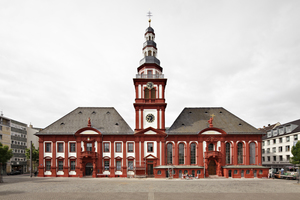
56	56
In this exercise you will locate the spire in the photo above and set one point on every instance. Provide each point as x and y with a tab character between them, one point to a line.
149	14
150	50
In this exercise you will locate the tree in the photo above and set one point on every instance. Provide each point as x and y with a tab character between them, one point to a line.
5	155
35	155
296	153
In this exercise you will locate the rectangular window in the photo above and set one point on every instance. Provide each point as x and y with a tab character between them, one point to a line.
130	165
106	147
274	141
130	146
281	131
287	138
48	165
288	129
150	146
268	150
274	150
287	157
296	137
280	149
263	150
118	165
106	165
287	148
263	159
269	159
48	147
72	147
274	158
280	158
72	165
60	165
118	147
280	140
268	142
0	137
89	146
60	147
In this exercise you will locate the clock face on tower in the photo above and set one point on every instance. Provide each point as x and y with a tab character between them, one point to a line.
150	85
150	118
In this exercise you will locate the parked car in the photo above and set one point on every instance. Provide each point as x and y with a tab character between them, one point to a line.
14	173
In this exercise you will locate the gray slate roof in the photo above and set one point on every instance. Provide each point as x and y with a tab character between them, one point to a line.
105	119
193	120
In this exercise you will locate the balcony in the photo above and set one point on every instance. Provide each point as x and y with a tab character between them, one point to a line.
86	154
213	154
150	76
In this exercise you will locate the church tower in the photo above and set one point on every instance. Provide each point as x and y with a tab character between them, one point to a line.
150	87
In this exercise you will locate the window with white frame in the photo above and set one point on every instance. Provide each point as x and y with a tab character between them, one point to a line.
287	138
72	162
287	148
118	165
130	165
296	137
60	165
274	150
48	165
106	165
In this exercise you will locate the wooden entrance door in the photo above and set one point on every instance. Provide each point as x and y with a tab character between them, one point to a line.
88	169
150	169
212	168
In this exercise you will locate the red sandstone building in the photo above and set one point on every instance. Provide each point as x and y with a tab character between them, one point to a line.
201	142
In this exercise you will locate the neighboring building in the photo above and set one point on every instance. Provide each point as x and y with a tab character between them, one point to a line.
35	141
201	142
278	143
5	139
14	135
18	145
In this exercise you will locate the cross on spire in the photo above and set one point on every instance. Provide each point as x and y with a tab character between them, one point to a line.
149	14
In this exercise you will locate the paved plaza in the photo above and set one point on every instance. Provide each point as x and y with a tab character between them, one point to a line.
24	187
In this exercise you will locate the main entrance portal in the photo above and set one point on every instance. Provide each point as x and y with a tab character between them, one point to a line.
88	169
212	168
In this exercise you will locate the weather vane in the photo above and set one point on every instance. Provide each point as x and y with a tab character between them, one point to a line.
149	14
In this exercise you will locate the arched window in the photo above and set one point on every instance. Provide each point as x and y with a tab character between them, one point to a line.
153	93
154	53
240	153
227	153
169	153
193	153
211	147
146	93
149	53
181	153
145	53
252	153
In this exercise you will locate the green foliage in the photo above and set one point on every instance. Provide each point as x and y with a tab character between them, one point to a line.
5	153
296	154
35	155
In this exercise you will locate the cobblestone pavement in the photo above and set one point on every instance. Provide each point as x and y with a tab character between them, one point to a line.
24	187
